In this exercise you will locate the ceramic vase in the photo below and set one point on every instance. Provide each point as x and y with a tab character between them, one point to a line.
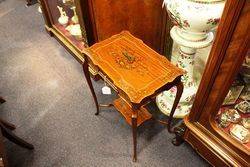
63	19
75	30
193	21
74	19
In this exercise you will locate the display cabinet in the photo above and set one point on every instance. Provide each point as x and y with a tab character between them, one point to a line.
79	23
64	20
218	124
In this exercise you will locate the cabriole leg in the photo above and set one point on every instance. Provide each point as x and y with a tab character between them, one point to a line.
179	86
134	131
87	76
15	139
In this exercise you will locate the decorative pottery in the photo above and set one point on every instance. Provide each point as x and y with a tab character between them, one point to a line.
68	2
232	115
246	122
245	95
223	120
193	20
63	19
240	133
75	30
243	107
74	19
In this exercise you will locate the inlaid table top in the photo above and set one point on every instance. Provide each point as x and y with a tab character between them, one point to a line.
132	66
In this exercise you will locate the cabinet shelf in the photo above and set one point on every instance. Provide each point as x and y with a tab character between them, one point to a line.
79	44
125	109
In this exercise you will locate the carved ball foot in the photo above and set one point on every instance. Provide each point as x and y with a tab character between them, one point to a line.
179	132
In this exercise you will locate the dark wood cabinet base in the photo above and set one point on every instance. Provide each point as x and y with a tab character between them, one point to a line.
213	151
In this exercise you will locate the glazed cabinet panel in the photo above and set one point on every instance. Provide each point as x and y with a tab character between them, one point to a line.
78	24
64	16
219	119
233	117
64	20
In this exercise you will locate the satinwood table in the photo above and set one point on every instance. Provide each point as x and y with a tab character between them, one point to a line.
136	72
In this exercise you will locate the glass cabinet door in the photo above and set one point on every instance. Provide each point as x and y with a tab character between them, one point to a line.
65	19
233	117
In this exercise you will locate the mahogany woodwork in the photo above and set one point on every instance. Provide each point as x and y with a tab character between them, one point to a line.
2	100
144	19
51	14
224	62
137	73
87	76
132	66
126	110
6	131
149	24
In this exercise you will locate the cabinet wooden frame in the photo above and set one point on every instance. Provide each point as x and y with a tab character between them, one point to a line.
97	25
84	8
54	31
226	57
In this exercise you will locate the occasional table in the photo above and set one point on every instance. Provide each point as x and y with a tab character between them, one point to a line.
136	72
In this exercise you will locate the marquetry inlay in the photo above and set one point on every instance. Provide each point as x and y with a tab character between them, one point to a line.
133	67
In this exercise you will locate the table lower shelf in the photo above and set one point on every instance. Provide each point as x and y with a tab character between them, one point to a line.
125	109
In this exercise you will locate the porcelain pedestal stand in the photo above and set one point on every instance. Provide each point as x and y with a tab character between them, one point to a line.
188	44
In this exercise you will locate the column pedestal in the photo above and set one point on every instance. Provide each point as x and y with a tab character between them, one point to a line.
187	51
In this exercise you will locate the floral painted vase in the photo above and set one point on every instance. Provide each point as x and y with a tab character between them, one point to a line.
63	19
193	20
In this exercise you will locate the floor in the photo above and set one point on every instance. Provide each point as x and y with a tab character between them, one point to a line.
48	99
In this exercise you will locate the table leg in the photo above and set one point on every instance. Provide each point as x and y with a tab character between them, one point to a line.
12	137
87	76
8	125
179	132
179	86
134	130
2	100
